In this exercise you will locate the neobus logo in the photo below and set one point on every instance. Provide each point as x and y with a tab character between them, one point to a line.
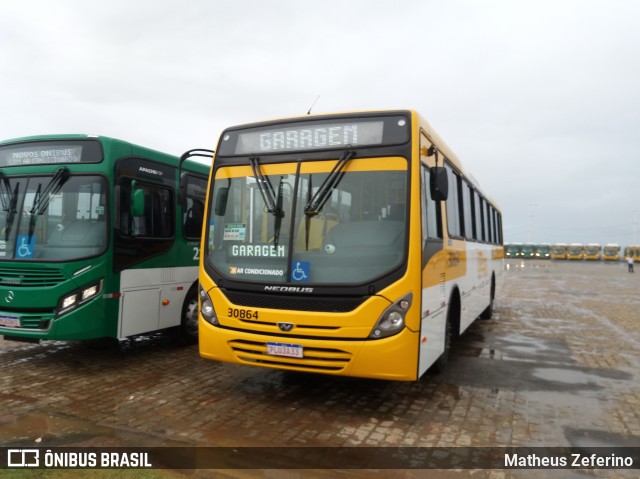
288	289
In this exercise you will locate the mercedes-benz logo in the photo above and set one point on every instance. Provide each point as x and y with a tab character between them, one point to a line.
9	297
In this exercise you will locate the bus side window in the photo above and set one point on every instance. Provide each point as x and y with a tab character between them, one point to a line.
150	217
477	216
489	224
467	218
431	222
453	210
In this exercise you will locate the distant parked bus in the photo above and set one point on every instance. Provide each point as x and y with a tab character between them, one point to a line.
633	251
528	250
611	252
575	251
100	238
543	251
592	251
512	250
559	251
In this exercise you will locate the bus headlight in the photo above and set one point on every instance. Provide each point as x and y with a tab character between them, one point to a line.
206	308
78	298
392	320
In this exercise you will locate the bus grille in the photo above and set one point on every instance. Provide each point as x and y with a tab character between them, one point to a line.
293	303
35	321
315	359
23	277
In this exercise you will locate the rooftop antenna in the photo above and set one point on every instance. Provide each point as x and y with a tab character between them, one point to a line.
313	104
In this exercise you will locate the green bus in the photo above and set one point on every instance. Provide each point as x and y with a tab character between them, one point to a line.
98	238
528	251
543	251
512	250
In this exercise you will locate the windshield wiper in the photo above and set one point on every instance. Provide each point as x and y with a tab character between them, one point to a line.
323	193
264	186
43	196
279	213
9	202
273	202
5	192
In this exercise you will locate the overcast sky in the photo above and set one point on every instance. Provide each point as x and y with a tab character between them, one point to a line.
539	99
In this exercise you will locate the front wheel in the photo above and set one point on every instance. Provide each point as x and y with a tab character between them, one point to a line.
187	332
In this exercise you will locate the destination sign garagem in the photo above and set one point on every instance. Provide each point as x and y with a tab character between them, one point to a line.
317	134
311	137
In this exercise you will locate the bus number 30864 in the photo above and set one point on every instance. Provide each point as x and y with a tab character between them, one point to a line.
242	313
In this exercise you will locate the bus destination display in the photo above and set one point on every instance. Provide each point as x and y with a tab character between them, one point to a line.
40	155
310	137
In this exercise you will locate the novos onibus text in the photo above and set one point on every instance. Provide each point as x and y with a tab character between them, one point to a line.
350	244
92	228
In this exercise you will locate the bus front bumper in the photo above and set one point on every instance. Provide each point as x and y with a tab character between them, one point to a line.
392	358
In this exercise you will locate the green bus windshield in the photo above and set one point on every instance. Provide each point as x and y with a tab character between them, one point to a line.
53	218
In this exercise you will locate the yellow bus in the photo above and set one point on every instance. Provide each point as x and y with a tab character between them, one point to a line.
575	251
593	251
633	251
348	244
611	252
559	251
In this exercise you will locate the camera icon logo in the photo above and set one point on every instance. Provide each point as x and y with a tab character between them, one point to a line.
23	458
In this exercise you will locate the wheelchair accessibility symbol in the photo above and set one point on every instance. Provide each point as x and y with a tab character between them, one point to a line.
25	246
300	271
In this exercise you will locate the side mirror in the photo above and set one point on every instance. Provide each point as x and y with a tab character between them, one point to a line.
182	188
137	203
439	183
221	201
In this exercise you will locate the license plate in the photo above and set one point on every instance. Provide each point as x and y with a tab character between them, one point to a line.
10	321
283	349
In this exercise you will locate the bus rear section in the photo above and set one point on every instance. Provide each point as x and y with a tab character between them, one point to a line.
314	258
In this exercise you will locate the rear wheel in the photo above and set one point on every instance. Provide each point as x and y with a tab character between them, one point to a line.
488	312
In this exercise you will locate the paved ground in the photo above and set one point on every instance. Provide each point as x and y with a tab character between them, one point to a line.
556	366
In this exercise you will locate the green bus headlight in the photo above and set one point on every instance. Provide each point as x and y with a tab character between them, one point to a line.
78	298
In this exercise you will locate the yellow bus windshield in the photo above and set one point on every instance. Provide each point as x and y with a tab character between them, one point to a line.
272	223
